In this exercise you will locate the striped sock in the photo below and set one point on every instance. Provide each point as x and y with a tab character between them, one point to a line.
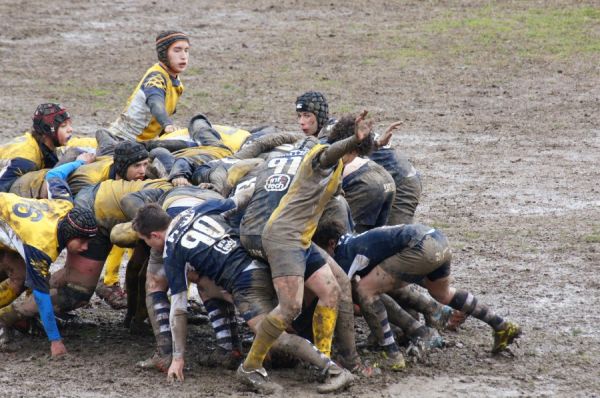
467	303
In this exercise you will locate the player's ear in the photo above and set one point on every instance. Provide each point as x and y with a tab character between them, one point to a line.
331	245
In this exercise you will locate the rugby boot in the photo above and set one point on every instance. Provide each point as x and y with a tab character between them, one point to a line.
503	338
392	360
420	346
359	367
439	318
337	379
114	295
158	362
457	319
258	380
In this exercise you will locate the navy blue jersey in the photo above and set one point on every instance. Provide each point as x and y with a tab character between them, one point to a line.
202	238
359	254
394	162
370	192
273	180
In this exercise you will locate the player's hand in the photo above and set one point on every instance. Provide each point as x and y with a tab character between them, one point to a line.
363	127
57	348
175	372
87	157
387	136
170	128
180	182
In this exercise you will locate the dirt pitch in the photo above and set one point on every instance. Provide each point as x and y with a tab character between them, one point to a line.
500	108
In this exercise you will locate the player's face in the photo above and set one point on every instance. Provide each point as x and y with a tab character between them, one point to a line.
178	56
64	132
308	122
137	171
77	245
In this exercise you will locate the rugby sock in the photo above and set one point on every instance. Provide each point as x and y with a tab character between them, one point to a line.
344	331
112	265
398	316
159	307
410	297
324	320
303	349
467	303
7	294
220	320
268	331
377	319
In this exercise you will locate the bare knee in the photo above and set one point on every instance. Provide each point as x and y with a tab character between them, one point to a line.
365	294
290	309
440	289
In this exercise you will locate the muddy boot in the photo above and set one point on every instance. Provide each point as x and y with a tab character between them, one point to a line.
420	346
457	319
439	318
113	295
158	362
505	336
359	367
337	379
392	360
258	380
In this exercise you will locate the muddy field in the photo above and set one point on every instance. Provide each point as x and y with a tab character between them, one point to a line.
500	108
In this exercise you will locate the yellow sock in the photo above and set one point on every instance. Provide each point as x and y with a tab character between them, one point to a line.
324	320
112	265
268	331
7	294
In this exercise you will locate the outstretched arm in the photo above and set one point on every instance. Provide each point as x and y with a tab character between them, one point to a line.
334	153
267	143
44	304
385	139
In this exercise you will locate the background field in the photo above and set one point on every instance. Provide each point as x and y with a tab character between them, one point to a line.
500	108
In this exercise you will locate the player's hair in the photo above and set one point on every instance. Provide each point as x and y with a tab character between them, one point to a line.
150	218
344	128
327	230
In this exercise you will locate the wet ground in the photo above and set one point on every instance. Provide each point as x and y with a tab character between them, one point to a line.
499	103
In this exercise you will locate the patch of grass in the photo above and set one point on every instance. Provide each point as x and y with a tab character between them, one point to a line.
99	92
472	235
440	225
576	332
458	246
593	237
201	94
530	33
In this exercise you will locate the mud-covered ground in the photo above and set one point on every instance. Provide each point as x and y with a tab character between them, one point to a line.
500	109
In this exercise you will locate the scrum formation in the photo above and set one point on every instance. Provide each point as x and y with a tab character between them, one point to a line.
290	234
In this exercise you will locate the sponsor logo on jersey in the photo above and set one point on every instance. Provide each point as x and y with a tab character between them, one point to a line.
277	183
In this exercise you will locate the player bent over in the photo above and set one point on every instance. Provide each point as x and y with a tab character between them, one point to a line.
202	238
32	235
389	258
